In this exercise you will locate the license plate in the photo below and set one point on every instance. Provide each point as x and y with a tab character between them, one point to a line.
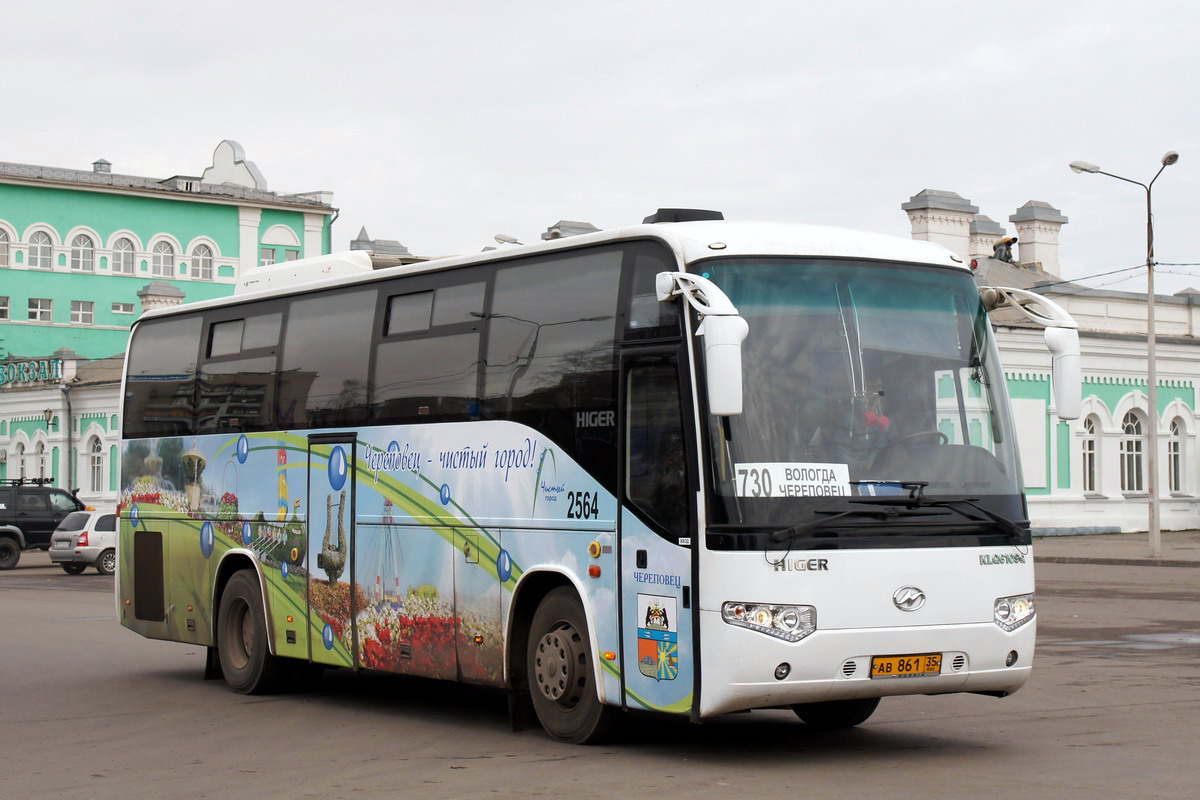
61	545
912	666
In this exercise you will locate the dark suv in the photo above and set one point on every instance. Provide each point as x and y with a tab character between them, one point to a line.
30	510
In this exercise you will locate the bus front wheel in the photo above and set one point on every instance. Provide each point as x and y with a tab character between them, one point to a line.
836	714
246	661
561	672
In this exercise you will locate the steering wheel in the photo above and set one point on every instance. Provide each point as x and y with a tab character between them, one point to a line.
942	438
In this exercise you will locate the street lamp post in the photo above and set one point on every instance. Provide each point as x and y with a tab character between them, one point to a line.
1151	357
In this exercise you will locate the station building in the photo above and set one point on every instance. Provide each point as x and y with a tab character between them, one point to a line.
82	254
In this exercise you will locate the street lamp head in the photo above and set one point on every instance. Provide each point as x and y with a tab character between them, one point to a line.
1170	158
1083	166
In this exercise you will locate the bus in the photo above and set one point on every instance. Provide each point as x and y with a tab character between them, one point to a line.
692	466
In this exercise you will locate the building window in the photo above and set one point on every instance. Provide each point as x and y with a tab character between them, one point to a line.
83	253
41	309
96	464
163	262
266	256
1090	478
21	469
40	457
40	250
82	312
3	249
1175	458
122	257
3	308
122	308
291	255
202	263
1131	454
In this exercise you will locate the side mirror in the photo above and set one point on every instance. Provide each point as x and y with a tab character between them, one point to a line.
1062	340
723	330
1066	371
723	338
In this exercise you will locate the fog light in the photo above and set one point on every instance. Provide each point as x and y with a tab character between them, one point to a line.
1011	658
782	671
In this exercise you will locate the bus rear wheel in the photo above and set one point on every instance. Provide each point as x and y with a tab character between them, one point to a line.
562	674
836	714
246	661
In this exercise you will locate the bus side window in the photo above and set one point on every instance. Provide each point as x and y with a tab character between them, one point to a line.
551	355
655	467
319	386
161	384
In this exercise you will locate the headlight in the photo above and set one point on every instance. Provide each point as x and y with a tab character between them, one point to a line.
1011	613
790	623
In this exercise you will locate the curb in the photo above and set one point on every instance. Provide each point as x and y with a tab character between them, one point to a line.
1123	562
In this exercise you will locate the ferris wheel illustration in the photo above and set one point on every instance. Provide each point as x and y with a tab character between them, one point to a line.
385	558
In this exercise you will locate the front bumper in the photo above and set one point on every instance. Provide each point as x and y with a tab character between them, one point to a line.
832	664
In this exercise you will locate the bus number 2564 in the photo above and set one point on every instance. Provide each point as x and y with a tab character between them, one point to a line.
583	505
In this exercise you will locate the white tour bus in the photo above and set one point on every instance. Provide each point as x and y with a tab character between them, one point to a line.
689	466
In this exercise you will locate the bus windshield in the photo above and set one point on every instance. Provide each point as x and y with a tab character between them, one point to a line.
862	381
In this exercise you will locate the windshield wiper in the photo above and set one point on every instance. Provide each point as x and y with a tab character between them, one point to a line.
1016	529
887	512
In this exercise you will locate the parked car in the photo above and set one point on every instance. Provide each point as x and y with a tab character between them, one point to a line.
30	510
86	539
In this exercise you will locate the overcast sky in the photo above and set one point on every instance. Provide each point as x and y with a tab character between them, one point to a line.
442	123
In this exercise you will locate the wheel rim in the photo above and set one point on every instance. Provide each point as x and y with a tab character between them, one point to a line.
109	562
560	666
241	634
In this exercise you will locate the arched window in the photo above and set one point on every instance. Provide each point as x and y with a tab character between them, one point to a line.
40	456
21	470
1131	454
202	263
96	464
3	248
83	253
163	263
122	257
1089	446
40	250
1175	457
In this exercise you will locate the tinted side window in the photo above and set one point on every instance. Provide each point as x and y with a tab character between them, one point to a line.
551	359
161	385
648	318
237	379
426	366
108	522
31	502
323	379
61	501
655	471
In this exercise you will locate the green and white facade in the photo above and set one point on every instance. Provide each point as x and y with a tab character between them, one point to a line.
82	254
1090	474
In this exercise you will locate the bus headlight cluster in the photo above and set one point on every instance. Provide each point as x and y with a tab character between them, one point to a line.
790	623
1011	613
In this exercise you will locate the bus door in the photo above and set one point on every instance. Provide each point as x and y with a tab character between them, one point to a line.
657	532
333	598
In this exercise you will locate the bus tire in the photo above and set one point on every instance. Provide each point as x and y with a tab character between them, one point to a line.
246	661
836	714
561	672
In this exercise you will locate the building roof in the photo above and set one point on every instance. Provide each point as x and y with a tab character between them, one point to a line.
175	185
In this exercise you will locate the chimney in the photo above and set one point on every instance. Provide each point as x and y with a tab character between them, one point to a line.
985	232
1038	225
157	294
101	167
942	217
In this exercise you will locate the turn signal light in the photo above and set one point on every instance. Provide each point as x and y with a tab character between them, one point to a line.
594	570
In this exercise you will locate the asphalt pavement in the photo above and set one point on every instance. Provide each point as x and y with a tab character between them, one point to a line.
1179	549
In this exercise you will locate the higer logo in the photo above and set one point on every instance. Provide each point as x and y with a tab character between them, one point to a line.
908	598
